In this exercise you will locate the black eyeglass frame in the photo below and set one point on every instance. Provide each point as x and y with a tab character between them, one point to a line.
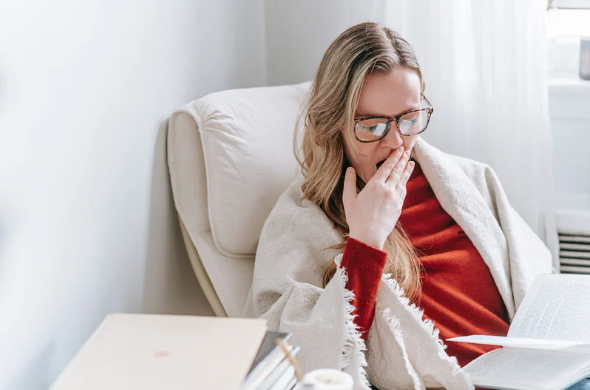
395	119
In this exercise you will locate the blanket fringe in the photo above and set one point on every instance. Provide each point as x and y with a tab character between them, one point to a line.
352	341
426	324
395	328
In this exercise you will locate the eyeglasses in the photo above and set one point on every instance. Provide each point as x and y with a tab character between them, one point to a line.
412	122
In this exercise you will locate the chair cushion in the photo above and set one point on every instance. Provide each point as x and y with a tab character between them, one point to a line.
247	139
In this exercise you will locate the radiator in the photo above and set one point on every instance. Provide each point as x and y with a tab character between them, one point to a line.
573	228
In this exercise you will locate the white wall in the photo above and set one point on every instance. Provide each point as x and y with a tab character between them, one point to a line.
298	33
87	225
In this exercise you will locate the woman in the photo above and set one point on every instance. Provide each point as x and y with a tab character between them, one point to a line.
383	226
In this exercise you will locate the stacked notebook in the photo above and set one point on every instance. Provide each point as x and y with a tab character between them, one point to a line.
272	369
155	352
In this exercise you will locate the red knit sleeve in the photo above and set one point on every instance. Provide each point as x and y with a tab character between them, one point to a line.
364	266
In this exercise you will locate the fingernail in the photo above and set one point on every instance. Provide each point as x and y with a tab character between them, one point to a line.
349	170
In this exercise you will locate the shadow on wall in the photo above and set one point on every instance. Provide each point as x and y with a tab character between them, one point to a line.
170	284
2	88
2	234
37	364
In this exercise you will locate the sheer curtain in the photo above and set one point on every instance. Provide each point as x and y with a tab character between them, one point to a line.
484	64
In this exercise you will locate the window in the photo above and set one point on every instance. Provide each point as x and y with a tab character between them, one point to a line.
569	4
567	22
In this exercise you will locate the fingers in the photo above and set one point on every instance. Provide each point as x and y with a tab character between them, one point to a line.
405	176
398	170
388	165
349	191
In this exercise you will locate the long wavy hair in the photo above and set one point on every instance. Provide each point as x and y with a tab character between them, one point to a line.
358	52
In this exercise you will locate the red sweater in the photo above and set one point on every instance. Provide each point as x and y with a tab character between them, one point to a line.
458	292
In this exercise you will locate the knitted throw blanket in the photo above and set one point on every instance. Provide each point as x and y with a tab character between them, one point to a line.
402	351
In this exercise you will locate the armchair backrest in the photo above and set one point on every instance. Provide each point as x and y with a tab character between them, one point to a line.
230	156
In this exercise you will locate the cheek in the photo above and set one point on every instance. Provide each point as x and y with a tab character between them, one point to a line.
362	150
363	154
365	151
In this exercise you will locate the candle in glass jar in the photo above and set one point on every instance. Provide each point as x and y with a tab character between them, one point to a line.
327	379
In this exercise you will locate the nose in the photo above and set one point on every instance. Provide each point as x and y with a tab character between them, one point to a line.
393	139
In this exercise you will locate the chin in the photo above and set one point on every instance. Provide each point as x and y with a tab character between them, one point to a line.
367	175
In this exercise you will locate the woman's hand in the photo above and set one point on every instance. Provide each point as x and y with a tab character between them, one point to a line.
373	213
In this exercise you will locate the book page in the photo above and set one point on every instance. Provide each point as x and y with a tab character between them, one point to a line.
514	342
557	307
522	369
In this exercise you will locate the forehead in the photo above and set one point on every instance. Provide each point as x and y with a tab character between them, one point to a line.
389	94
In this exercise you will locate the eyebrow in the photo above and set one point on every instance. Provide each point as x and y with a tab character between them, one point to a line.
367	115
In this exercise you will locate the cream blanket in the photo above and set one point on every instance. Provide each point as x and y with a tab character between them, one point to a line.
402	350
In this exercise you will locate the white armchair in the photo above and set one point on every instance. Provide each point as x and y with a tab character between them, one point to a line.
230	156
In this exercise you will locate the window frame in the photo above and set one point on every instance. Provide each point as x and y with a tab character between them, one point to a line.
569	4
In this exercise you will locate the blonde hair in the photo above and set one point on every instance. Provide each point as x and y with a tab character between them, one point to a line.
358	52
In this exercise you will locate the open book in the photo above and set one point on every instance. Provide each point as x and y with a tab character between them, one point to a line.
548	344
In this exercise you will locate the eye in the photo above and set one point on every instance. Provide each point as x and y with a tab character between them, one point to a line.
371	129
412	122
377	126
376	129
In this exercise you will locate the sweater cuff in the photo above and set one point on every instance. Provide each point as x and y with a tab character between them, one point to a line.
364	266
364	257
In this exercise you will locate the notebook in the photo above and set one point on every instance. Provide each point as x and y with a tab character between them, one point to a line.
155	352
269	356
285	370
268	347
